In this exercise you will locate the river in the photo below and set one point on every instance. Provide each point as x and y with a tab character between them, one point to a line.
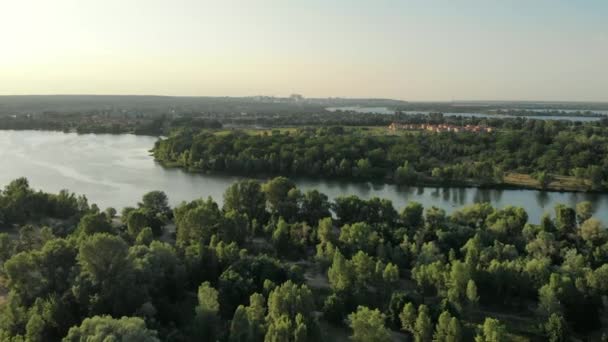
116	170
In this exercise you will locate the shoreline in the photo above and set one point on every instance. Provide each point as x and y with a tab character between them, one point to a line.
387	181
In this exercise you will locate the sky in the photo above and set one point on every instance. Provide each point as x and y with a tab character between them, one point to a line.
415	50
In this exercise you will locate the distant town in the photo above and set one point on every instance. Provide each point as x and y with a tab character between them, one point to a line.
439	128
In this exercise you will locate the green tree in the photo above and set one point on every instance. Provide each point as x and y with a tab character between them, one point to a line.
423	328
94	223
592	231
412	215
565	219
408	318
368	325
491	331
340	273
442	329
239	327
555	329
584	210
454	331
156	202
277	195
246	197
206	322
472	296
106	328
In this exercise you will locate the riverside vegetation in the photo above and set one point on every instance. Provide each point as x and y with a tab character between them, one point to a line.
533	153
275	264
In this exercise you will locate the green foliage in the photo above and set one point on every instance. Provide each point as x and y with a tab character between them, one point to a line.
368	325
246	197
408	318
536	147
477	255
491	331
106	328
423	328
447	329
555	329
206	322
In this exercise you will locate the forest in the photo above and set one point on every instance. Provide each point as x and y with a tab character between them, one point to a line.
273	263
541	150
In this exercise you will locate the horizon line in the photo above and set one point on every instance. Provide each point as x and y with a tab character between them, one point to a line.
313	97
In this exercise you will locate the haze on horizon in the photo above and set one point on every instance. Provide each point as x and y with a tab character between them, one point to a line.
554	50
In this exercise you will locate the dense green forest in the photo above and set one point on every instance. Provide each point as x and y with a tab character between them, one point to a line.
540	149
275	264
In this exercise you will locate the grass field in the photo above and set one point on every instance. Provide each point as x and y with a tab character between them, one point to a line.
568	183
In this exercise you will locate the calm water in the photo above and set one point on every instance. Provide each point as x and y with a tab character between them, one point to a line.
387	111
116	170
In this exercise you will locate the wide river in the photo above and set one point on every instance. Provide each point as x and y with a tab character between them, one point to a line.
116	170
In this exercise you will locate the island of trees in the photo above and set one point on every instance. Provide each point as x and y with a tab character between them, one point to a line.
533	153
273	263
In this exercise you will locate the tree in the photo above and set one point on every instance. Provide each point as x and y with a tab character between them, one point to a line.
157	202
290	313
408	318
364	268
207	320
106	273
277	195
447	329
315	206
325	230
334	309
454	331
103	258
256	312
246	197
280	238
145	237
197	221
390	275
491	331
359	236
543	178
340	274
239	327
94	223
110	212
472	296
591	231
6	248
136	222
279	330
555	328
405	174
584	210
106	328
565	218
423	328
458	281
412	215
368	325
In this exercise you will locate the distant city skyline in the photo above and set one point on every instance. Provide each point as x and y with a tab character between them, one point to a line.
442	50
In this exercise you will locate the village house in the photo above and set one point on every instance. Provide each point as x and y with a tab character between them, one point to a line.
439	128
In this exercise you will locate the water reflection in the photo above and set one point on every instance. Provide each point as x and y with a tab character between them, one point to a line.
117	170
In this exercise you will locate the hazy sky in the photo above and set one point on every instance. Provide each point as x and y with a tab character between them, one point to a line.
413	50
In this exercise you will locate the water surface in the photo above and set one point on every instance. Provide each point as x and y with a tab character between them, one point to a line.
116	170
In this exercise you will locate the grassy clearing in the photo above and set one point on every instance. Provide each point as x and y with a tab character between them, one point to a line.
567	183
256	131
